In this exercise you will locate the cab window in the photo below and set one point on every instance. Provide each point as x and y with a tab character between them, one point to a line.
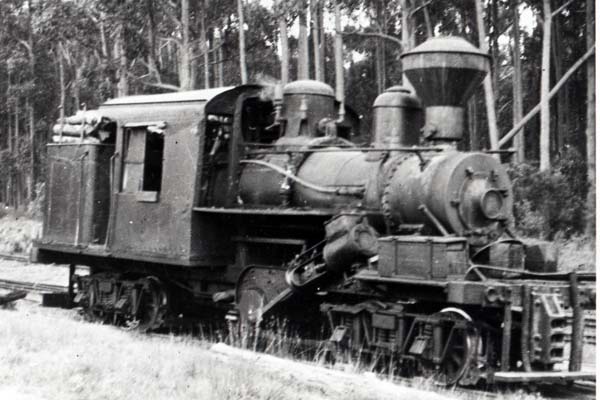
143	161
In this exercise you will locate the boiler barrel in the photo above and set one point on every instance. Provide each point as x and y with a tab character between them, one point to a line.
326	180
345	171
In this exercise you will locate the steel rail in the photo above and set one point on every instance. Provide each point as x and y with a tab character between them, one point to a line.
32	286
14	257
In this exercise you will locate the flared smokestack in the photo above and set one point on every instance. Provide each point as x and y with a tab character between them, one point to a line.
444	72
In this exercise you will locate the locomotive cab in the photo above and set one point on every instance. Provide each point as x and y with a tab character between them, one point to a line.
122	180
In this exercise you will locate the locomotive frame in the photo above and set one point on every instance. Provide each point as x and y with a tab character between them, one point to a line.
257	203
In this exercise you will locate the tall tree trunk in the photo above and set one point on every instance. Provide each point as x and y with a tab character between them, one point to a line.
17	151
545	89
30	106
285	51
518	142
562	104
428	27
406	36
77	86
203	44
487	82
339	62
123	83
303	62
10	184
219	45
243	66
323	43
590	131
185	73
8	108
30	182
315	7
379	50
152	50
494	45
103	41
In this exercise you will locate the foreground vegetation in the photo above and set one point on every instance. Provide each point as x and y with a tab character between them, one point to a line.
53	354
50	354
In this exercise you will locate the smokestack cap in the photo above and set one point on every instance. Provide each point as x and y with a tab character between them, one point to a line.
445	70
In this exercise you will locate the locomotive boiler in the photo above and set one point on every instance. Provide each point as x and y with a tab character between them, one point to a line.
262	201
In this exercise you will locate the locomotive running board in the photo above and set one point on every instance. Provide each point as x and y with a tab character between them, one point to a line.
544	376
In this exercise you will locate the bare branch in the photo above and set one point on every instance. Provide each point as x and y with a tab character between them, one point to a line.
25	44
419	8
554	90
209	51
170	39
166	86
561	8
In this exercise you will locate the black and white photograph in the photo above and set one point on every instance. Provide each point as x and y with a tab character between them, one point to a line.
298	199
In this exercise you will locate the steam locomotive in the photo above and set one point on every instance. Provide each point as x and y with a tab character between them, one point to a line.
259	201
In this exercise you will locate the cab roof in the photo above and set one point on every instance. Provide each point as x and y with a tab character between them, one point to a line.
174	97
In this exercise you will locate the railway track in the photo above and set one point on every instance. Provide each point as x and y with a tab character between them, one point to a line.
31	286
14	257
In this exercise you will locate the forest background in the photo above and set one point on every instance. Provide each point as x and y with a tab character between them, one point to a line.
60	56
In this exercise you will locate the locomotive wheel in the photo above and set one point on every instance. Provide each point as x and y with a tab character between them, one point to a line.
256	287
92	313
148	306
250	305
461	347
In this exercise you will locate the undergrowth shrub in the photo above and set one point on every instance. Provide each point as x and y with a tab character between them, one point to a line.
36	207
550	203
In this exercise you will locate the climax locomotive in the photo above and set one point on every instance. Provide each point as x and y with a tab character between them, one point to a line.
263	201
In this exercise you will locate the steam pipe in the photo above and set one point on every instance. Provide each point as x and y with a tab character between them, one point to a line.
340	191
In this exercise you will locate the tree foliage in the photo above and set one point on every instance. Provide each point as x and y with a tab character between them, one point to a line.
103	45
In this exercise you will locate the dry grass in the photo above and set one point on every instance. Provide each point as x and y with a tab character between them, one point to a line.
52	357
50	354
17	233
577	254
